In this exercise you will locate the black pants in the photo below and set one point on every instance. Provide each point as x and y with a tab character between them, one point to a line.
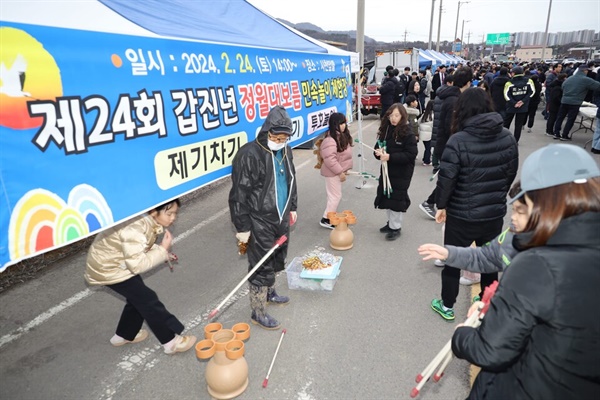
431	198
551	114
462	233
520	119
427	153
531	114
569	111
143	304
384	108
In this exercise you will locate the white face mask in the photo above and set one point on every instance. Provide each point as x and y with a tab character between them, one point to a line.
275	146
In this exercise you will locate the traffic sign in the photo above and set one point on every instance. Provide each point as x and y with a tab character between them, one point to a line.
498	38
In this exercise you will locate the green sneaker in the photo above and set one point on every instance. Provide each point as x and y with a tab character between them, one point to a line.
438	306
475	299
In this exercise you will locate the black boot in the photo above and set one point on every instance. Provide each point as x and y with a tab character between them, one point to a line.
386	228
273	297
266	321
393	234
258	301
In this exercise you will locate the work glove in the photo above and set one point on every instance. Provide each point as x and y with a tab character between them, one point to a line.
293	217
243	236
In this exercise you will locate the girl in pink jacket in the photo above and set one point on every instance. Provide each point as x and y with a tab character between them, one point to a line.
336	151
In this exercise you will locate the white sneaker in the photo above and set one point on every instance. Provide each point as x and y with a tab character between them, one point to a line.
468	282
182	344
439	263
117	340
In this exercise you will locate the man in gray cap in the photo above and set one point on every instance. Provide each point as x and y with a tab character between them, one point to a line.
574	89
517	93
262	203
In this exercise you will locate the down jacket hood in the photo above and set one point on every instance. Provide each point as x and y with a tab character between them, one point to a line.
487	125
278	121
450	91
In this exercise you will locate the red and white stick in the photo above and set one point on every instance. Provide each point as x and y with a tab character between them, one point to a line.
266	381
277	244
443	358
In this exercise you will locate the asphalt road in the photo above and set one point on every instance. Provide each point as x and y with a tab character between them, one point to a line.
366	339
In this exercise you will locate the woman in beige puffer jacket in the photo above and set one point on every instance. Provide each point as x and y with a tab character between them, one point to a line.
117	258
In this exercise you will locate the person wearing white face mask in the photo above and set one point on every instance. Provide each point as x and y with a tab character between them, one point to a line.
262	204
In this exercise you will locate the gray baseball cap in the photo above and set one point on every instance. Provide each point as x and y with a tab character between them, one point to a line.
554	165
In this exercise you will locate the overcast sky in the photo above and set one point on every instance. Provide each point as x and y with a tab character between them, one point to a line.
387	20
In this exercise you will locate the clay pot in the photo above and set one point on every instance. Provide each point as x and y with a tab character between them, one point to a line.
227	371
341	238
234	349
211	329
205	349
241	330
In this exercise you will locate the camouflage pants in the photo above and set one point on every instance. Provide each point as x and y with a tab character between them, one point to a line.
258	299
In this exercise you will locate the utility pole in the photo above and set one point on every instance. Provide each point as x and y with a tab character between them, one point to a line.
405	33
546	34
456	28
461	35
468	44
431	23
437	46
482	46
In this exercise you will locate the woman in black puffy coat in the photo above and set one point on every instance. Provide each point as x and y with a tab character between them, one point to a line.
479	163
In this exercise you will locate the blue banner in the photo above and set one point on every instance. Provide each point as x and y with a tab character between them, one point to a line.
97	127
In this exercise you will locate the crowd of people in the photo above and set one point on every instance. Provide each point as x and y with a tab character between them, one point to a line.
538	339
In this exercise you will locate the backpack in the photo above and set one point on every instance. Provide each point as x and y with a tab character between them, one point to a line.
425	86
399	91
317	151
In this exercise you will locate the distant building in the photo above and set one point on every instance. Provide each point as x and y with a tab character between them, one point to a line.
586	36
581	53
533	53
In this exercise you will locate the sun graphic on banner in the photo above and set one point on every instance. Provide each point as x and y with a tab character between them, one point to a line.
41	219
27	72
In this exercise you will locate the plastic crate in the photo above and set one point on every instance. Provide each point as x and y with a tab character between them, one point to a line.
295	282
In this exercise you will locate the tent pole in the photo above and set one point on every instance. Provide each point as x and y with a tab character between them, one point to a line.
360	48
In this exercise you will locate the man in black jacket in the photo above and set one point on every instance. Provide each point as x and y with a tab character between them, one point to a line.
437	81
405	78
497	91
262	203
518	92
388	90
428	206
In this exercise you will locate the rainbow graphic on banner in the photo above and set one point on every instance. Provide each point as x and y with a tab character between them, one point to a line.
42	220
